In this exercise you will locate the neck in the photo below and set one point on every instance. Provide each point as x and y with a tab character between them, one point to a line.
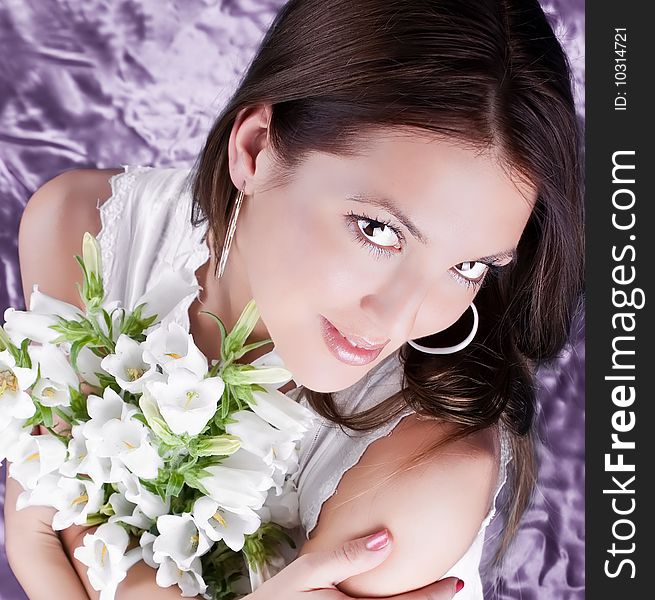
227	297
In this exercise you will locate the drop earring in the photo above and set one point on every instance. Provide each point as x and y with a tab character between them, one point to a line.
231	228
456	347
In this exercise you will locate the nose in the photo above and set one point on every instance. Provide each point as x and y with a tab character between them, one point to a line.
394	309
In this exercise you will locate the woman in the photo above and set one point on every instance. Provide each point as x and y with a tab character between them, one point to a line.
408	177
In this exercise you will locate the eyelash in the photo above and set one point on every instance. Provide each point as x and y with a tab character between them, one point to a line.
379	252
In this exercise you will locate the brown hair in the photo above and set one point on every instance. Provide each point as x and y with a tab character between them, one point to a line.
489	73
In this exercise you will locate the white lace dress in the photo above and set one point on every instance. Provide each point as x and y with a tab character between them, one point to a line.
145	223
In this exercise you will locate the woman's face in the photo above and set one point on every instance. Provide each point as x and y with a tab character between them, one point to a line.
310	250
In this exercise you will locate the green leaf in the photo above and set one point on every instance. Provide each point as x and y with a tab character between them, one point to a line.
78	404
175	484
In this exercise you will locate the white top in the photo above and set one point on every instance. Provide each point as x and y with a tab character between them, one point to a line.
146	222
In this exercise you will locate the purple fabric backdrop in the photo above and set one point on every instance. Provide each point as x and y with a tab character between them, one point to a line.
97	83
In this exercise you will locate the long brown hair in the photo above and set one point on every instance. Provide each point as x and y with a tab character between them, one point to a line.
489	73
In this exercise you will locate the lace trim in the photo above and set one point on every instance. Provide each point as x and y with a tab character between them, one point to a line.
505	457
110	211
329	486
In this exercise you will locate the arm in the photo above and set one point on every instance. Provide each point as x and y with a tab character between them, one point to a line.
50	234
433	511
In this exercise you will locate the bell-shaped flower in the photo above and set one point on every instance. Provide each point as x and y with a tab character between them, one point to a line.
45	493
146	541
282	412
15	402
34	324
282	509
218	523
88	364
128	512
104	553
126	442
36	456
56	374
241	480
11	434
169	290
189	580
128	367
82	460
180	539
273	359
149	503
173	348
260	438
76	499
186	402
102	410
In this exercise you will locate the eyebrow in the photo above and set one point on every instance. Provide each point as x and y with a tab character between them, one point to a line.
391	207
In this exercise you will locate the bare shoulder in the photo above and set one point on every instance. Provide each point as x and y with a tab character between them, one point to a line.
433	510
52	227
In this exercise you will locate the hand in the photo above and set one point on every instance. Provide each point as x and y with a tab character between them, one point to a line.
315	575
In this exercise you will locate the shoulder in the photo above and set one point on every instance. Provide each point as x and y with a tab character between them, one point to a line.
53	225
433	511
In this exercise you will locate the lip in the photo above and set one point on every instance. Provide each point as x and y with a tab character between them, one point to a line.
342	349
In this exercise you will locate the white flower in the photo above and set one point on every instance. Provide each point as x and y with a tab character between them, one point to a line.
127	512
11	432
102	410
185	402
258	437
15	402
218	523
128	367
126	442
36	456
83	460
180	539
151	504
282	509
88	364
104	553
45	493
146	542
75	500
282	412
189	580
241	480
169	290
173	348
33	324
51	389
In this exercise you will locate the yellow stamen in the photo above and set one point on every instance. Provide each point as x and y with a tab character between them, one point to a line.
195	540
80	500
173	355
133	373
217	517
103	554
49	392
32	457
129	445
7	381
190	396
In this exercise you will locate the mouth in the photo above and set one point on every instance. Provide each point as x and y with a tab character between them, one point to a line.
349	348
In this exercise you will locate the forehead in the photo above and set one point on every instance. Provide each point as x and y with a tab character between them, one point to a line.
459	196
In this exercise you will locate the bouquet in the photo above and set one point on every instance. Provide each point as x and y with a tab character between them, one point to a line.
183	464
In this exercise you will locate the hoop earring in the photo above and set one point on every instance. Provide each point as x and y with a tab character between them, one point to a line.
231	228
456	347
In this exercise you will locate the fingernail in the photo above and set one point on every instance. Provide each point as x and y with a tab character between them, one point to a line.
459	585
378	540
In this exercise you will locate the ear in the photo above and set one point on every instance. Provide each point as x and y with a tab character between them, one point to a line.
248	144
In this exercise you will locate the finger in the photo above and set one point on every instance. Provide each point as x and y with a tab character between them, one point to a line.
328	568
444	589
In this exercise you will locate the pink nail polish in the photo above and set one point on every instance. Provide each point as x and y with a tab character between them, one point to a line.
459	585
378	540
